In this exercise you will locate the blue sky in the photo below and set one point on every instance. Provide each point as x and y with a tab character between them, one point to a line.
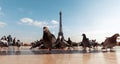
24	19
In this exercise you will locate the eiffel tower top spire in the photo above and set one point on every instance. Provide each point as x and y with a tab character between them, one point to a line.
60	27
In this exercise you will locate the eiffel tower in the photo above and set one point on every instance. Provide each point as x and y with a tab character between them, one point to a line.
60	34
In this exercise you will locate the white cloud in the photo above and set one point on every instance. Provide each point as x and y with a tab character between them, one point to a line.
2	24
38	23
29	21
54	22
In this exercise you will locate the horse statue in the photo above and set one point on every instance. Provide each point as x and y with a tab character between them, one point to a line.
110	42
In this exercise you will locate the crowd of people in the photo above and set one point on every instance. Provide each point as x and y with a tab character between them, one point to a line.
9	41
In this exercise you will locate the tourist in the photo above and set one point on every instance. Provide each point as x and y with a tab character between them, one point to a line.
69	42
18	43
9	38
14	41
4	38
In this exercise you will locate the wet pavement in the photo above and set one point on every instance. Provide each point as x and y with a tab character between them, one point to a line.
59	56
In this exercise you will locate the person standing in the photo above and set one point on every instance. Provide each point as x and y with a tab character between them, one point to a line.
9	38
14	41
18	43
69	42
